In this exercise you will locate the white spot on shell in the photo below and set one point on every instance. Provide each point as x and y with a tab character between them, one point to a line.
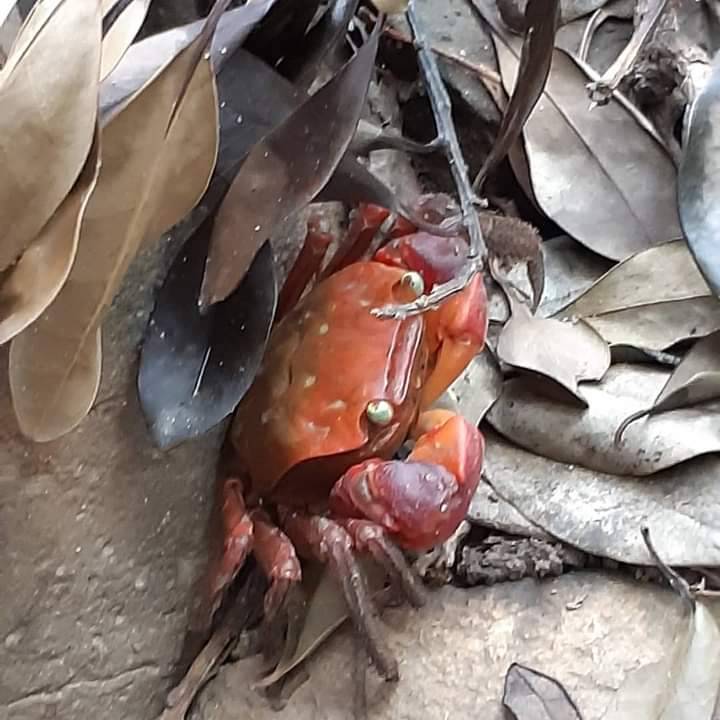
265	417
337	405
309	381
364	303
323	329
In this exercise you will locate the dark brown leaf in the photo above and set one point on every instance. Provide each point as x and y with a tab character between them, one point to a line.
541	20
531	695
285	171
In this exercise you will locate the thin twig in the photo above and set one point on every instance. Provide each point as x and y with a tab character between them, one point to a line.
485	73
447	136
678	584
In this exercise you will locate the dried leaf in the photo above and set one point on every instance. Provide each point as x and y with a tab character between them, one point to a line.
570	269
541	21
696	379
651	301
152	174
532	695
658	326
565	352
326	611
285	171
38	276
682	686
195	368
660	274
585	437
321	42
632	183
601	513
144	59
48	92
126	22
698	180
478	387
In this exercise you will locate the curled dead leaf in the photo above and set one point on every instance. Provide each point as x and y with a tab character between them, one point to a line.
532	695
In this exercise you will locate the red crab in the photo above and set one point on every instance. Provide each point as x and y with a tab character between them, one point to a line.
338	393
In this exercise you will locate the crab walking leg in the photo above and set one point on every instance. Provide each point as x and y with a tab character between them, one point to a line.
371	538
277	559
322	539
421	501
238	533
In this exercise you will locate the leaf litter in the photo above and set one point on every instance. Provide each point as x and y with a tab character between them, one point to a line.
593	447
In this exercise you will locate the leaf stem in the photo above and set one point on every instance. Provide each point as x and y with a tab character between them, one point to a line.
448	141
677	583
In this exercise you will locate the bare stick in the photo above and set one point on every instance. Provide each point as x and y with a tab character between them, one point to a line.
448	141
677	583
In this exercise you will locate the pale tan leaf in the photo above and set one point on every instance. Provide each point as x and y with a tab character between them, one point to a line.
121	33
660	274
651	301
36	279
658	326
151	177
566	352
49	97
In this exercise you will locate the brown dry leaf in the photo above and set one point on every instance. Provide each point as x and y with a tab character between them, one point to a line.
651	300
585	436
152	175
604	154
541	21
285	171
121	33
36	279
565	352
48	92
326	610
696	379
601	513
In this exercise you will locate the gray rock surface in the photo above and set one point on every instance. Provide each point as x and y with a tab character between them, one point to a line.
101	539
585	629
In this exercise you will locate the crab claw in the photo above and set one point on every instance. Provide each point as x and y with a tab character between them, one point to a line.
456	330
420	501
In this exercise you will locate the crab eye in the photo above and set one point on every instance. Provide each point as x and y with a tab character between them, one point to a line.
414	282
380	412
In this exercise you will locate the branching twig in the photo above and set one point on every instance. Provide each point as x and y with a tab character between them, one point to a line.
447	137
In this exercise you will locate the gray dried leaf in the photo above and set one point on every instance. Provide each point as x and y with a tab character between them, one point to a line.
682	686
652	300
570	269
565	352
696	379
571	146
658	326
585	436
478	387
601	513
698	184
532	695
659	274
